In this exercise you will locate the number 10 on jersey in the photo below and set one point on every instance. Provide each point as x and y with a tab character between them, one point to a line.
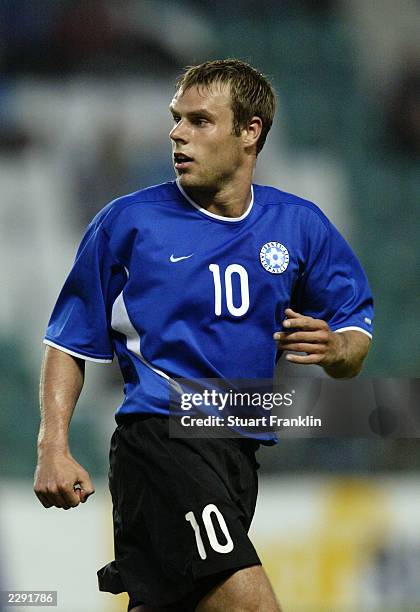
236	311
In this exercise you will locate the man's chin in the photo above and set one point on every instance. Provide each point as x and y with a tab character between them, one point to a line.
195	185
186	179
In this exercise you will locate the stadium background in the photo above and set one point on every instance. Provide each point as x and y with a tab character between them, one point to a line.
84	89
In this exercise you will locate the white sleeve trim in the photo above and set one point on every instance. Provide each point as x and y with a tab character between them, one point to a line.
343	329
74	354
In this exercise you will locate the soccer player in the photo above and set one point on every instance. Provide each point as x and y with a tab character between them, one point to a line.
208	276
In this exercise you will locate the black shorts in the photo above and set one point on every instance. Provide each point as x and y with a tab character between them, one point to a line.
182	509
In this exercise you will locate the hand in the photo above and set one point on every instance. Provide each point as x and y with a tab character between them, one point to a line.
60	481
313	337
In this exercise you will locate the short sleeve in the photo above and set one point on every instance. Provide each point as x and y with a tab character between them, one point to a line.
333	285
80	322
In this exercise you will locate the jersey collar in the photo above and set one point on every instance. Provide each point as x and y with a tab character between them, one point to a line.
212	215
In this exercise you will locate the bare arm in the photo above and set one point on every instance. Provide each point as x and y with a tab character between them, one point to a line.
352	348
341	354
57	473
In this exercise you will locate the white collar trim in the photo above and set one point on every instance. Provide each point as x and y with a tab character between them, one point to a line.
212	215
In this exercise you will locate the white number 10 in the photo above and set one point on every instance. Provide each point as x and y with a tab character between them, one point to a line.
208	524
236	311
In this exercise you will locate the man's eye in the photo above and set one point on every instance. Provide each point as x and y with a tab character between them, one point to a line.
200	121
176	119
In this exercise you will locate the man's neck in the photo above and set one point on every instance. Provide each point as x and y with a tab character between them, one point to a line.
230	201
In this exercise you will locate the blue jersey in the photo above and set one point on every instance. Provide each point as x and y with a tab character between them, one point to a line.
178	292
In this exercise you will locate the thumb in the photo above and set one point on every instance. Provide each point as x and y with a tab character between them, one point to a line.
84	489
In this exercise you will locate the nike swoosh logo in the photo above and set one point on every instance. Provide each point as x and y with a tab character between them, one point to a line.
175	259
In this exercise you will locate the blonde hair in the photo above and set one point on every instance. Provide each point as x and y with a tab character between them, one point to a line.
251	93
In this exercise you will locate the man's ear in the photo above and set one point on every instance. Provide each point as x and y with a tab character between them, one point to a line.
251	133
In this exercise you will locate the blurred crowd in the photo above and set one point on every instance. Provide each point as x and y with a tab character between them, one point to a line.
84	89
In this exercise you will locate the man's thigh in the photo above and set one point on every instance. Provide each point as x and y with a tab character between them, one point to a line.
247	590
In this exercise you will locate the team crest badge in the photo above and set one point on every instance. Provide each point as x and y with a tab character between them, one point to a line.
274	257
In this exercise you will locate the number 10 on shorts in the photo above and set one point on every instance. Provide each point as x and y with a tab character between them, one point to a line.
207	515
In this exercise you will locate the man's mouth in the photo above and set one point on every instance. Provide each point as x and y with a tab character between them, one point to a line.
182	161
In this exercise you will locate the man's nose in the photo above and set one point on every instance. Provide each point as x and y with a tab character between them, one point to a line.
178	132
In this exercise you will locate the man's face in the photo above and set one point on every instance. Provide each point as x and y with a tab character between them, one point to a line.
206	152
